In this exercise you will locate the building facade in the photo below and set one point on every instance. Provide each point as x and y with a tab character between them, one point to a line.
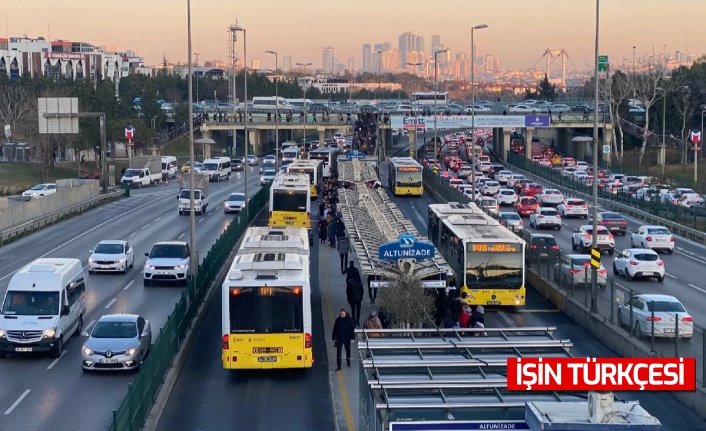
367	58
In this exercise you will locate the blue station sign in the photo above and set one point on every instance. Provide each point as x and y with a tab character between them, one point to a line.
355	155
458	425
406	247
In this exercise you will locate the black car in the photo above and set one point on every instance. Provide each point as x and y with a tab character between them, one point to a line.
237	164
614	222
541	247
494	169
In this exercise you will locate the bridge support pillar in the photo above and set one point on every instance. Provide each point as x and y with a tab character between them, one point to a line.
206	151
322	135
505	143
205	133
155	151
528	142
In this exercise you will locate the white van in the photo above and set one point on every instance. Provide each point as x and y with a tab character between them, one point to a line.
169	167
270	103
290	154
217	168
44	306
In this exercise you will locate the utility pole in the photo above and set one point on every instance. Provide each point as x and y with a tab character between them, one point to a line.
594	243
277	155
436	91
473	107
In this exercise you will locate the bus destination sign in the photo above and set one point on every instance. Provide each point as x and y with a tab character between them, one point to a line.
494	248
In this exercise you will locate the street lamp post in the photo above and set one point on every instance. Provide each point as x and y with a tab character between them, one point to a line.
379	74
415	111
663	150
436	90
414	87
304	65
194	258
237	28
473	107
276	110
594	243
703	111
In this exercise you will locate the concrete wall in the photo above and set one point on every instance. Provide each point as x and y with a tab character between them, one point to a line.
611	336
69	192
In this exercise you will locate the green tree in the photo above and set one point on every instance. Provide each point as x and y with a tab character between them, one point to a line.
546	90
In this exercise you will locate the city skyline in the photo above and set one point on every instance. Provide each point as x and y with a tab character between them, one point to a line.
515	40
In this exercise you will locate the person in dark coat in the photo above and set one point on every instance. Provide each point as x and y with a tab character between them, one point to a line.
354	296
343	247
352	272
477	316
331	232
343	333
323	230
340	227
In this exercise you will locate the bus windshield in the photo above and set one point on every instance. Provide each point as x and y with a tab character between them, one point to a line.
408	179
210	166
289	200
265	310
494	270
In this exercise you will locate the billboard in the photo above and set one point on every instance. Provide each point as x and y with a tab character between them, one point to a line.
64	55
466	121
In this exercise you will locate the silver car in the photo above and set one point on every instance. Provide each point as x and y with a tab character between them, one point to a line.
576	269
118	342
234	203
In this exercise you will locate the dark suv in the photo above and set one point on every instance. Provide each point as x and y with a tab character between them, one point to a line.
237	164
541	247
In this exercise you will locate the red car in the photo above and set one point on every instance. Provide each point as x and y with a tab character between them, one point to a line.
532	189
521	184
526	205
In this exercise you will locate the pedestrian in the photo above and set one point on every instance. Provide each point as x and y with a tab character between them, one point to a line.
372	291
322	229
352	272
331	230
342	335
465	317
340	227
478	316
372	323
354	296
343	247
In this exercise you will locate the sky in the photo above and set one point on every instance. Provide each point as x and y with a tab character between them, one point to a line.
518	33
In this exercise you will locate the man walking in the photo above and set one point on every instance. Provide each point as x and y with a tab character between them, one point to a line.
354	295
343	247
343	334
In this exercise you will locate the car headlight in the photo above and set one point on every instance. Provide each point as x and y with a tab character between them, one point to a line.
149	266
91	260
121	260
86	351
2	333
131	351
49	333
227	205
180	267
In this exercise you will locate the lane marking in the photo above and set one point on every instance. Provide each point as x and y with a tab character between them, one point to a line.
697	288
218	206
157	219
670	275
81	235
18	401
88	327
182	235
539	310
145	226
200	220
132	234
112	301
128	285
55	361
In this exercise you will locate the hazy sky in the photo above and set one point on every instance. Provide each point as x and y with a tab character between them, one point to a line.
519	30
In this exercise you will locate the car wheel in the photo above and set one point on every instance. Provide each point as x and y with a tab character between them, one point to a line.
670	251
620	318
79	327
125	268
558	228
660	279
611	251
686	339
146	282
58	348
585	216
615	269
632	243
628	277
638	330
573	246
643	245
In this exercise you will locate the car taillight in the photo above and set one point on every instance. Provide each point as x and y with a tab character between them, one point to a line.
540	216
533	246
575	271
660	263
555	247
307	341
270	214
603	272
671	239
648	239
653	319
521	223
588	236
610	236
224	342
687	319
633	263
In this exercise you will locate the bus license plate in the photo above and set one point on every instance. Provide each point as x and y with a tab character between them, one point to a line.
289	223
23	349
267	359
493	302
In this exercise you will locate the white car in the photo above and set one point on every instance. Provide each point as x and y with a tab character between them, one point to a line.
511	220
464	171
468	191
521	109
489	205
490	188
513	179
39	191
503	176
252	160
456	182
665	309
560	108
582	239
581	165
639	263
580	175
506	197
484	166
568	171
168	261
545	217
654	238
573	208
550	197
235	202
111	256
268	175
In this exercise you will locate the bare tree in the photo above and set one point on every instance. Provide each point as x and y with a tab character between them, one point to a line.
406	302
617	92
648	89
14	104
686	107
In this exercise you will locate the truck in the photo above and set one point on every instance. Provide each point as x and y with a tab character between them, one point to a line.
200	194
143	171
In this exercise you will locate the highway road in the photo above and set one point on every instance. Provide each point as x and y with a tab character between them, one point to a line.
37	392
538	312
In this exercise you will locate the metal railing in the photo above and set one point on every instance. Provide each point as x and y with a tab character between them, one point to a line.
142	392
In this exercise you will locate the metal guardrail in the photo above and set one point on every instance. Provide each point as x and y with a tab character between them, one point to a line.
9	235
546	177
652	138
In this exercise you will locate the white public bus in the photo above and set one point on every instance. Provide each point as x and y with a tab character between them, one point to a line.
217	168
430	98
270	103
299	103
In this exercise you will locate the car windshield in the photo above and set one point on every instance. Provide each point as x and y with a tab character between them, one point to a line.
575	203
23	303
658	231
109	249
236	197
550	212
38	187
269	173
646	257
128	173
198	165
544	240
168	251
511	217
601	231
186	194
115	330
507	192
210	166
612	216
528	201
665	306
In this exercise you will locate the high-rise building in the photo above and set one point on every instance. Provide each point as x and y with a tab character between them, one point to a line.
367	58
287	66
406	43
375	65
386	46
489	62
390	59
496	65
327	59
415	57
351	65
476	50
419	43
255	65
435	42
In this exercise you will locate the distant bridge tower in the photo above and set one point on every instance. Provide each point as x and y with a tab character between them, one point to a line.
550	55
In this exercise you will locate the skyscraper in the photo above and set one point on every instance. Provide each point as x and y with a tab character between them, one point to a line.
376	57
367	58
386	46
406	43
435	42
287	66
419	43
327	59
